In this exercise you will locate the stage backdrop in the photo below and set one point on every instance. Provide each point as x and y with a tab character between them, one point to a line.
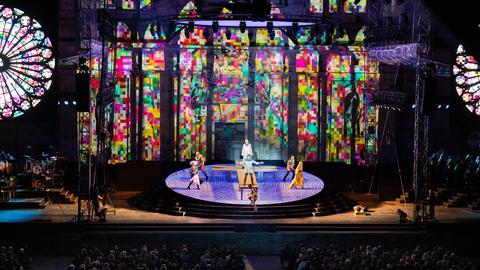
205	92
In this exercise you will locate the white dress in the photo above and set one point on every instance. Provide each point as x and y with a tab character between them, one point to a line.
247	150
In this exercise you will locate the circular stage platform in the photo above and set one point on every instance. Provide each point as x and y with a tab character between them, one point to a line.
222	187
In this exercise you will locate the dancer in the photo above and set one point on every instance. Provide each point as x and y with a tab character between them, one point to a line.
194	175
200	159
290	167
253	196
246	149
248	165
298	180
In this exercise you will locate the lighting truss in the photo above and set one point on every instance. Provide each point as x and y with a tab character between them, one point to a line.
390	100
401	54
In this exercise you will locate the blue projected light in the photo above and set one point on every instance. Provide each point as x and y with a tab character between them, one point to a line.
24	215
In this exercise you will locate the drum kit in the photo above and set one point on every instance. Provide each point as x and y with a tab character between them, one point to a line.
29	172
41	170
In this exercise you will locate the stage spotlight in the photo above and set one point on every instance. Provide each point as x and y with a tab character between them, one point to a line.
269	26
271	35
447	106
439	106
74	103
228	34
206	33
251	37
413	106
243	27
215	26
295	28
65	102
191	26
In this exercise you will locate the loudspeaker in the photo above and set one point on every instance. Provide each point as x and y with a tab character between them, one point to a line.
82	91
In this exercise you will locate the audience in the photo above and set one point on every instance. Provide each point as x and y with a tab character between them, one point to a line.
163	258
459	174
372	257
12	259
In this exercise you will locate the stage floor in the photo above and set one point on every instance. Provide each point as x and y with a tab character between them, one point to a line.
223	187
380	212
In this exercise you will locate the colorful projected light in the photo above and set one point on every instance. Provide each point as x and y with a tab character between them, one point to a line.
467	78
26	62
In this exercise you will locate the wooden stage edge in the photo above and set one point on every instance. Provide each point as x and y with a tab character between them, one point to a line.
380	212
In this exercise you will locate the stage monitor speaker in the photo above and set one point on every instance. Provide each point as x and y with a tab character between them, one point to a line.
82	90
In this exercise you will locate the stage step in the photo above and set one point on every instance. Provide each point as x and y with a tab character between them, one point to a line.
458	200
30	203
168	202
53	195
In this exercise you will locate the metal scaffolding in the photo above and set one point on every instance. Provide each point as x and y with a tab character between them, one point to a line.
421	29
410	51
95	28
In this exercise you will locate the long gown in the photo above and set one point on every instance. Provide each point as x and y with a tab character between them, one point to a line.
298	180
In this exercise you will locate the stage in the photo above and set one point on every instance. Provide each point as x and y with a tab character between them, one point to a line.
223	187
380	213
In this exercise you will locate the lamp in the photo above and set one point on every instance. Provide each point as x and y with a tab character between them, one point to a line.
243	26
215	26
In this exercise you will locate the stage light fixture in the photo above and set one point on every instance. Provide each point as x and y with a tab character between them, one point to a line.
243	26
295	28
271	35
228	34
447	106
269	26
191	26
215	26
206	33
65	102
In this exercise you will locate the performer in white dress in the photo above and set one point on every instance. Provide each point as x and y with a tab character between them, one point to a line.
247	149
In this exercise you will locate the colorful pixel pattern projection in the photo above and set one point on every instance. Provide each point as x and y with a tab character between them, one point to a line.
190	114
271	104
316	6
218	83
347	111
153	62
26	62
467	79
308	127
121	107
